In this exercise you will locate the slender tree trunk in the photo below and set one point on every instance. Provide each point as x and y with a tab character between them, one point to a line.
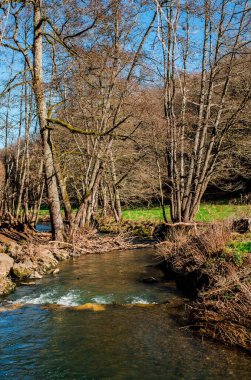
39	196
50	176
63	188
117	203
105	202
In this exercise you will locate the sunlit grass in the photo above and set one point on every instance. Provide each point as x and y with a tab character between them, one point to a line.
145	214
207	213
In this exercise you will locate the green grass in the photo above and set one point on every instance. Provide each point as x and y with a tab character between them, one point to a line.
207	213
239	248
242	246
44	212
144	214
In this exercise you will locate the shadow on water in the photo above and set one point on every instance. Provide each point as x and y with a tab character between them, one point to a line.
120	342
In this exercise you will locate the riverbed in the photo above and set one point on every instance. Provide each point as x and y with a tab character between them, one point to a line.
139	332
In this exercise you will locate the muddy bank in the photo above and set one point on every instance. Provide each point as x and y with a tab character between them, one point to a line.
213	268
26	256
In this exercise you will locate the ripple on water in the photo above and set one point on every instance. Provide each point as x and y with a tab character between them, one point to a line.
104	299
71	298
119	343
41	299
76	298
139	300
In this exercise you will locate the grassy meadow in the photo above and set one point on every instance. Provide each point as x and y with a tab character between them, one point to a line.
207	213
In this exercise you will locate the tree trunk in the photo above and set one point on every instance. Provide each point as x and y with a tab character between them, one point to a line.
50	177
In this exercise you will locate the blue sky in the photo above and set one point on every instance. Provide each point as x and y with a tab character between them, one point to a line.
152	48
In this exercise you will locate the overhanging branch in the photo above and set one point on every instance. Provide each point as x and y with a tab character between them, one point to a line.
72	129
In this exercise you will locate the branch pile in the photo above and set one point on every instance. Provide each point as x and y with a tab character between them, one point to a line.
88	241
220	287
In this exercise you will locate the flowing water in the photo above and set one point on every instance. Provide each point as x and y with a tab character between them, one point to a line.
49	338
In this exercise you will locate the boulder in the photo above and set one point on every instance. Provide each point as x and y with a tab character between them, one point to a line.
60	254
242	225
6	264
6	286
24	269
35	275
14	250
89	306
46	261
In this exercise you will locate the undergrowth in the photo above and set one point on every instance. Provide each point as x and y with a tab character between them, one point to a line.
213	266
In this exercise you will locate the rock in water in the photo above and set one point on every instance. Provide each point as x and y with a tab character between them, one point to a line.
13	306
89	306
35	275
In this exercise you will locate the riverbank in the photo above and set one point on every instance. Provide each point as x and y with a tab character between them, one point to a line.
210	264
29	255
213	268
51	335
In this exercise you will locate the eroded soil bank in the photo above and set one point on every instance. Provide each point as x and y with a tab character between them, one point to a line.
29	255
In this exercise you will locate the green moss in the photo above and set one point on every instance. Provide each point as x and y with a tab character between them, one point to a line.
21	272
6	286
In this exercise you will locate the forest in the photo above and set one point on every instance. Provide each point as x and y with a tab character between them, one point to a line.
127	124
107	104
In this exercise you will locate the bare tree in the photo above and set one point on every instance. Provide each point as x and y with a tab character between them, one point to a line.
32	52
197	108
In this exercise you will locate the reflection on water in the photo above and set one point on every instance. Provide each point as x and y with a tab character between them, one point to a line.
43	227
118	343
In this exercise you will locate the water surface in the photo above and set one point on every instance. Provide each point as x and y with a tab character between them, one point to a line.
121	342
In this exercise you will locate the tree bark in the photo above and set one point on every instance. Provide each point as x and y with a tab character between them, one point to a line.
50	175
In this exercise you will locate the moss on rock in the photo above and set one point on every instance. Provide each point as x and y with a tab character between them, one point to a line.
6	286
22	270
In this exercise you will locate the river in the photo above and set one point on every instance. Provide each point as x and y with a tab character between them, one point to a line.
47	338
